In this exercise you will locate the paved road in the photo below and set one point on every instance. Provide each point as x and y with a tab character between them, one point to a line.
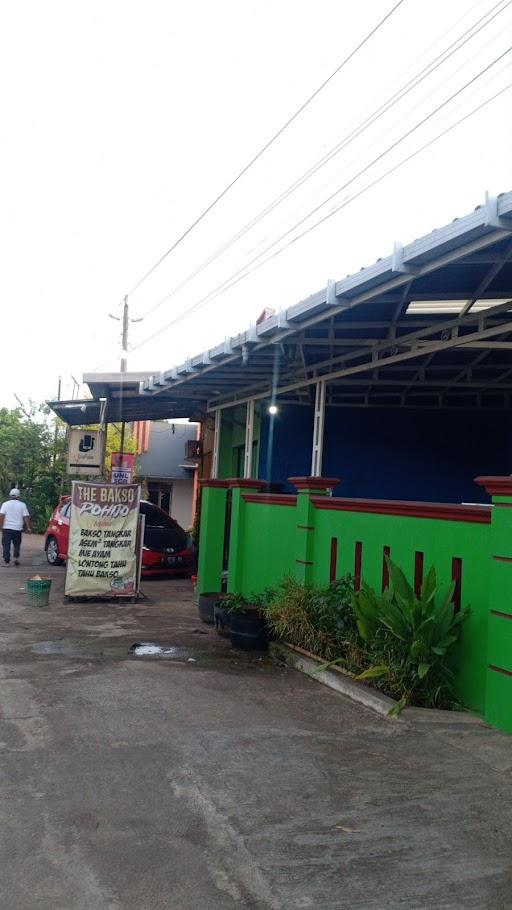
208	781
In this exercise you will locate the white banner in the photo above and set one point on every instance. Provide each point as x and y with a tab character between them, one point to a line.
102	549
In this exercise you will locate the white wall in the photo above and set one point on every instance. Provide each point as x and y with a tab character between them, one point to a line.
181	502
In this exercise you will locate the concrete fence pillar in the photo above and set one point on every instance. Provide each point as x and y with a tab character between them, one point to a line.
238	487
211	535
498	692
307	487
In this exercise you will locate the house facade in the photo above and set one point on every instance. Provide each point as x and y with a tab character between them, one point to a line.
167	465
369	419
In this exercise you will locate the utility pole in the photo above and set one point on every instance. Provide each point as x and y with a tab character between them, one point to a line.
124	343
124	334
124	350
56	433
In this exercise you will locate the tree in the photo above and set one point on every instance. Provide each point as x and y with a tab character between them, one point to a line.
32	451
33	457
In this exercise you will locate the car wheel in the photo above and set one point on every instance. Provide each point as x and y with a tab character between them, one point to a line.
52	552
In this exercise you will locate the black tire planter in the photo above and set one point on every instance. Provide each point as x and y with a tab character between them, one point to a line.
248	631
206	606
222	619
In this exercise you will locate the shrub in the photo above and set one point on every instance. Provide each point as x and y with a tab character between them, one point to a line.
410	640
234	603
404	644
320	620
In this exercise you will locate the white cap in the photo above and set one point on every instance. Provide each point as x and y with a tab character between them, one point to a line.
14	492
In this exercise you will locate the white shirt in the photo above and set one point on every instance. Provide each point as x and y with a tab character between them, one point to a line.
15	511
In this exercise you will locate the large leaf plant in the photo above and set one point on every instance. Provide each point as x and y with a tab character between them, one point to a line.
410	639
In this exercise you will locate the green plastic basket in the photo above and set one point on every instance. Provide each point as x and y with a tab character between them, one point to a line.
38	592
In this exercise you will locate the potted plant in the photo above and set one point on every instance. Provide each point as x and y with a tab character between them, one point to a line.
246	622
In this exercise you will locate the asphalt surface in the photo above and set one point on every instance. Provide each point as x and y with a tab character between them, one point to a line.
209	780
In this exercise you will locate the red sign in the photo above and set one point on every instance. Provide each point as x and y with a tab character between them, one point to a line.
122	467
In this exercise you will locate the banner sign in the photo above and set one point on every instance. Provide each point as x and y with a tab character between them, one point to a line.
102	550
122	467
85	452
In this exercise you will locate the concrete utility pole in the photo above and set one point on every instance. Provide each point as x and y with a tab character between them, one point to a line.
124	349
56	431
124	358
124	334
124	344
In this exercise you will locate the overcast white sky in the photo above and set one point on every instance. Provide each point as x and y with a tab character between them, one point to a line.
121	121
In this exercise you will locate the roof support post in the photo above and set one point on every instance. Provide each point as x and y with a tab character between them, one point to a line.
249	436
318	430
216	443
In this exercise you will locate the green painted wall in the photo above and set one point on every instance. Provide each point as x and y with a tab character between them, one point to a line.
226	446
271	539
498	702
232	441
275	540
439	541
264	551
211	548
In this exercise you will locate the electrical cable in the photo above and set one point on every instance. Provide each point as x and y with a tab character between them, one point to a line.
267	145
401	93
236	278
381	177
385	152
389	130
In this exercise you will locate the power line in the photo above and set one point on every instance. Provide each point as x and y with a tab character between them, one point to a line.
267	145
237	277
381	177
231	282
398	96
385	152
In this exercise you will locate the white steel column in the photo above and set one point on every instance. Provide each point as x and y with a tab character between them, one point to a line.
318	430
216	443
249	436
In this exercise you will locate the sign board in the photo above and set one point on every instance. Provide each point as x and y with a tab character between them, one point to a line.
102	550
85	452
122	467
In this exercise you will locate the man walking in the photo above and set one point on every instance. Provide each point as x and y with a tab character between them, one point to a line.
13	516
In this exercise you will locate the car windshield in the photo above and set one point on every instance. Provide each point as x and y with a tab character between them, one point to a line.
155	517
161	532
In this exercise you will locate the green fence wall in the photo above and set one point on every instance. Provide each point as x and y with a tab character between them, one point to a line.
412	541
265	548
316	537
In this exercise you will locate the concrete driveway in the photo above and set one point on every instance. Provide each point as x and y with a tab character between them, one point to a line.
209	781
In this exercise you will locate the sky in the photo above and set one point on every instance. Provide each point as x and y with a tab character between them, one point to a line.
121	122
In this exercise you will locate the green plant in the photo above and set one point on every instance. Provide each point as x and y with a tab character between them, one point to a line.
234	603
317	619
410	640
330	609
194	530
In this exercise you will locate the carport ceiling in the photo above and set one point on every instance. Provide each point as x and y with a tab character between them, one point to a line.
118	394
430	325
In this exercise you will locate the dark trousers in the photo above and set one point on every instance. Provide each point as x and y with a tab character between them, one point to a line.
9	537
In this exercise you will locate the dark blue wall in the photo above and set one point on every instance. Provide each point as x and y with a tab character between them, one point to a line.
393	454
290	454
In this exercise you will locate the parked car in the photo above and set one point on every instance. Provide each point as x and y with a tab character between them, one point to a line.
166	549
